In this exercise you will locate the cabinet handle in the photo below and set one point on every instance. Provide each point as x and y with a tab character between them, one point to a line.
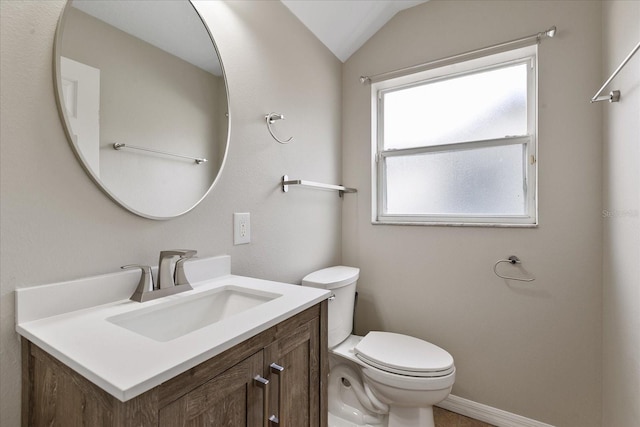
263	383
277	370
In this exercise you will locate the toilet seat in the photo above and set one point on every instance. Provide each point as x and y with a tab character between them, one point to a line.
404	355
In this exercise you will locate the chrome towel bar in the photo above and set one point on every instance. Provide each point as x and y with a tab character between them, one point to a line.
286	182
511	260
120	146
614	96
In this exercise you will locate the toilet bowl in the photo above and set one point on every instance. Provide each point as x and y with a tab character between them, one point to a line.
382	379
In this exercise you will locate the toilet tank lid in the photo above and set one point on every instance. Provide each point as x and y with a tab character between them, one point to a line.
332	277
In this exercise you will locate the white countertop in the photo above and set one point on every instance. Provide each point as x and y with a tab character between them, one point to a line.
125	363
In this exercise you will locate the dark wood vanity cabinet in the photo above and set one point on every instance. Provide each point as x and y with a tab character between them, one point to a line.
294	395
229	399
221	392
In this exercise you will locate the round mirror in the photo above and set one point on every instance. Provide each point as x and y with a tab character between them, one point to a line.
142	95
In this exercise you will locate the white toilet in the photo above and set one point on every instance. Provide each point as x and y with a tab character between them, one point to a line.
382	379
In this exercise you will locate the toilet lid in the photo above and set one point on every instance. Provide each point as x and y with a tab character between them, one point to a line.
404	355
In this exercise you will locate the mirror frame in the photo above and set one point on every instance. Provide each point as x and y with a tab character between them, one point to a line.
57	84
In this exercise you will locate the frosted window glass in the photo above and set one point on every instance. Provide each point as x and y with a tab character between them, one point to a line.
485	105
483	181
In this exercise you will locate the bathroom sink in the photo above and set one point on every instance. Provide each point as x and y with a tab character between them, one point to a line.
173	319
127	348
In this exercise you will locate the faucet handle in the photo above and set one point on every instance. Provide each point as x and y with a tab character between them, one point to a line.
165	279
182	253
145	285
179	277
189	253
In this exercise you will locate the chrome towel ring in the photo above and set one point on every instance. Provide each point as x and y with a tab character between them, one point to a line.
511	260
271	118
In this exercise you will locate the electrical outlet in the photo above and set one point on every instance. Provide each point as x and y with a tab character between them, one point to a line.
241	228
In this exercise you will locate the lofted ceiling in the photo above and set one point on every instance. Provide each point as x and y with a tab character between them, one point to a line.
342	25
345	25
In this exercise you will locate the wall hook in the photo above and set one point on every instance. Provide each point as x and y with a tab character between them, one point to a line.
271	118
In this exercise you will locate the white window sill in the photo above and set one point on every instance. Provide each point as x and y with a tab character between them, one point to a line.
456	224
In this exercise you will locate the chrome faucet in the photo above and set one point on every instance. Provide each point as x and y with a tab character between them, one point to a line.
178	278
167	283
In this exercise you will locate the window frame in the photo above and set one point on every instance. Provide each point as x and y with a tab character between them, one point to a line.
499	60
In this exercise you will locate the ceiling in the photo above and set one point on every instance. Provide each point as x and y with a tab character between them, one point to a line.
342	25
345	25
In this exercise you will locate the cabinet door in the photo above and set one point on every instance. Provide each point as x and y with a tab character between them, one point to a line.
230	399
295	393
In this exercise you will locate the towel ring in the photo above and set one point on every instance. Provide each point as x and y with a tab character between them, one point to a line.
271	119
511	260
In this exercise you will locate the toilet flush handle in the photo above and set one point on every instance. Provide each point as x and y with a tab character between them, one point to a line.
332	296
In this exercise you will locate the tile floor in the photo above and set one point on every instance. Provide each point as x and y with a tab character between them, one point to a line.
444	418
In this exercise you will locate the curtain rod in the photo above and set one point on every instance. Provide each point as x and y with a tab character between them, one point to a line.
472	54
614	96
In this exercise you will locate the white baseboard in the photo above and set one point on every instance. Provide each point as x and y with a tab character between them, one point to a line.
488	414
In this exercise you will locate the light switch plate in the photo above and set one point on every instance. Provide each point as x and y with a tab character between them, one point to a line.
241	228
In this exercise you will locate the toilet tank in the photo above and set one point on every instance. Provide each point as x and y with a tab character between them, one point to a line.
341	281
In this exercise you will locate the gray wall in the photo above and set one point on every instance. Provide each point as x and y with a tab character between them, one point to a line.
533	349
530	349
621	216
56	225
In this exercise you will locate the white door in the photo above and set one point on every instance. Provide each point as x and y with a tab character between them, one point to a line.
81	94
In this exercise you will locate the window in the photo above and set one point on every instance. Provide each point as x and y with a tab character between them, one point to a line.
457	144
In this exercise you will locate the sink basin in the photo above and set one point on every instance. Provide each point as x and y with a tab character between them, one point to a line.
173	319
